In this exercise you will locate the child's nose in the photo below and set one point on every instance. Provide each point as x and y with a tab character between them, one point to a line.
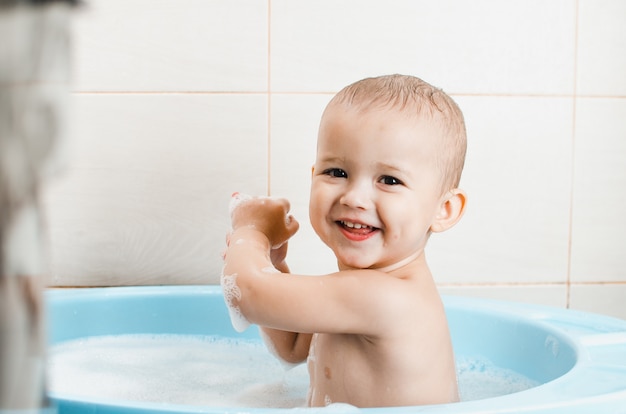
358	195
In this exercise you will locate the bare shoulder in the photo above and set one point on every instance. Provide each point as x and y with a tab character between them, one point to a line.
389	302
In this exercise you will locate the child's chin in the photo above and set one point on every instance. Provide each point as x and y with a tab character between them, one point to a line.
356	264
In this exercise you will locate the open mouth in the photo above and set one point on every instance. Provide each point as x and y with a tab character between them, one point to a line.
356	231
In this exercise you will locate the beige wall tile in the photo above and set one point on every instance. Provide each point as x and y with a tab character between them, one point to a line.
551	295
517	177
171	45
598	222
601	46
295	121
145	199
484	46
607	299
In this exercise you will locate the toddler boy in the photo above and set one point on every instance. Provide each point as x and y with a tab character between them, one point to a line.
389	159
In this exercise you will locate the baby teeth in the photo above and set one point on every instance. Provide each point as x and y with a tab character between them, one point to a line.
354	225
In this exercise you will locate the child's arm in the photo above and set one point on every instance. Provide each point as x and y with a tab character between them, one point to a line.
358	301
291	347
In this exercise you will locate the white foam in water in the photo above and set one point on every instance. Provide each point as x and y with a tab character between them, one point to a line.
176	369
216	372
479	378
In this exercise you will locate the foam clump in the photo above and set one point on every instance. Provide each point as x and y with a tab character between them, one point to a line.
232	293
236	200
334	408
341	408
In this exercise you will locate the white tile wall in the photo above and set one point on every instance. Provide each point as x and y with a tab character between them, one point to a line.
146	196
295	120
544	294
601	46
601	298
172	45
479	46
517	176
178	103
599	222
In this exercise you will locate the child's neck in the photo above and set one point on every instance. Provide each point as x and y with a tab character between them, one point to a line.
417	256
400	264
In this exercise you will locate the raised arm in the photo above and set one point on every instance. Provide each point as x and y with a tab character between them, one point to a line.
260	215
291	347
359	301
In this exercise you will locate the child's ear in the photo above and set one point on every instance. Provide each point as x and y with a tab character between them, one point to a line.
450	211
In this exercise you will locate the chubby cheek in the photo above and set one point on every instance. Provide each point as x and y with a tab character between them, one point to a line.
402	223
316	211
320	206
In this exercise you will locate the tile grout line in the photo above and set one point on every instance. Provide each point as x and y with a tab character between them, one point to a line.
499	284
526	284
317	93
269	97
572	161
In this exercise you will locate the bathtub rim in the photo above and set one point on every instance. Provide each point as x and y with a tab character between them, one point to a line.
542	397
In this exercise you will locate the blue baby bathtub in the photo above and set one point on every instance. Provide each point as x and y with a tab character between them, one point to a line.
579	359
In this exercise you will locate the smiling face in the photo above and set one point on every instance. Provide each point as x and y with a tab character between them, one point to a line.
375	190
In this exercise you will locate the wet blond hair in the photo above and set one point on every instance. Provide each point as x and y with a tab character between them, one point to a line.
415	98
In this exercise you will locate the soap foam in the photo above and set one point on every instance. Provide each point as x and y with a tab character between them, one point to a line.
236	200
175	369
217	372
231	293
479	378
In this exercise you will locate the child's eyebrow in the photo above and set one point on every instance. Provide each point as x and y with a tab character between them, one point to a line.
391	167
332	160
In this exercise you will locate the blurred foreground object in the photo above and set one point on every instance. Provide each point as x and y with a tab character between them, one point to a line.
34	90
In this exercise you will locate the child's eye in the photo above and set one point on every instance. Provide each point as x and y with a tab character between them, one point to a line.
389	180
336	172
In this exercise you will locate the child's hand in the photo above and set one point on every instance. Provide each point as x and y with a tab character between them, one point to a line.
278	256
265	214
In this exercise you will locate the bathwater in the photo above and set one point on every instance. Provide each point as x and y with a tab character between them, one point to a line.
214	371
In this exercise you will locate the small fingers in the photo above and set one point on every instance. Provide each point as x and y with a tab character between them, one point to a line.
292	225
